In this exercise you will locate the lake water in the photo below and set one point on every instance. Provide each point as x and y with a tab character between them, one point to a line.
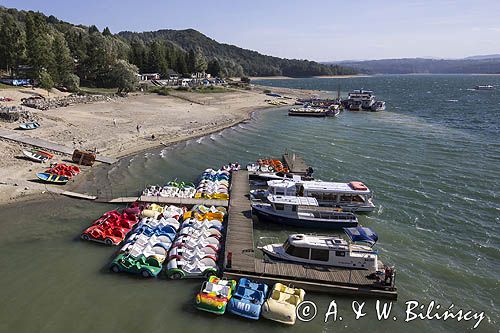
432	159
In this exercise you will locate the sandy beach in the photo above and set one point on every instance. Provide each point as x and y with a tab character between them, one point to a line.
170	119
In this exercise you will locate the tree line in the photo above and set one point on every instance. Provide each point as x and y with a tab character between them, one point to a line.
57	53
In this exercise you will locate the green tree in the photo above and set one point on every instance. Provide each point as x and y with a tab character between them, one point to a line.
157	59
181	66
191	61
63	62
106	32
200	63
213	68
93	29
124	75
38	43
71	82
11	44
46	81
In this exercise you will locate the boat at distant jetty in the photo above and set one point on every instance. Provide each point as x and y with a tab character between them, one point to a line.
302	212
360	99
307	112
484	87
378	106
329	250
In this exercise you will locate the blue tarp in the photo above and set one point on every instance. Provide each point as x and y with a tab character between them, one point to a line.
362	234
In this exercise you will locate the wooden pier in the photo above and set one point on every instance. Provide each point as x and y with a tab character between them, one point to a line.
295	164
240	259
44	144
168	201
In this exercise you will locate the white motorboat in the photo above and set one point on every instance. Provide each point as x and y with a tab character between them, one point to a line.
484	87
302	212
378	106
329	250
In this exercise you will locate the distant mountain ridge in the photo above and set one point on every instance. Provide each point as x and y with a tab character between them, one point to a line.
481	64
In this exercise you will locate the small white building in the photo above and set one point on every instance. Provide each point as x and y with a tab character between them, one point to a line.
149	76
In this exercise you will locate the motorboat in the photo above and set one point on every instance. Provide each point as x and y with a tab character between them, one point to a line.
302	212
378	106
484	87
329	250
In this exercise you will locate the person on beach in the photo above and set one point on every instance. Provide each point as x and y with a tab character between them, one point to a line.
114	121
138	128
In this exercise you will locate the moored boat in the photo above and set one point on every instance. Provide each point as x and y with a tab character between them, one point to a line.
302	212
378	106
307	112
329	250
353	196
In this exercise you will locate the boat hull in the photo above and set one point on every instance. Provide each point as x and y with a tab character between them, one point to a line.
265	215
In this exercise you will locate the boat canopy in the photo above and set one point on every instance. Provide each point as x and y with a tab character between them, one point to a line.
291	200
362	234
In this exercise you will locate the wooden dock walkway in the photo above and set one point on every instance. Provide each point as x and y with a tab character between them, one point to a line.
168	201
239	231
295	163
44	144
240	259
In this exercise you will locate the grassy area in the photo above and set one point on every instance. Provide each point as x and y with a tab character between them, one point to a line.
164	91
103	91
6	86
211	89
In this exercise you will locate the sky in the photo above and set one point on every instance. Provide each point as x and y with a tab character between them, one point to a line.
321	30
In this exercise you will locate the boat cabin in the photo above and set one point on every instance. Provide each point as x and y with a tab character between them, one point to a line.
329	250
281	203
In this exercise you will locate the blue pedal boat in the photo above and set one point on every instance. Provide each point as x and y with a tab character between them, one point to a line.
248	298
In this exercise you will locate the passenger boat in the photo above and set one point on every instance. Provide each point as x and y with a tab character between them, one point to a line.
36	156
378	106
307	112
302	212
52	178
353	196
360	99
329	250
29	125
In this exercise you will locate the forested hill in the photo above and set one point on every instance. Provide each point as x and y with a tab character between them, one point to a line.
470	65
58	53
234	60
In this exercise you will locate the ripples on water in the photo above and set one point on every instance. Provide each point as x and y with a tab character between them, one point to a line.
432	164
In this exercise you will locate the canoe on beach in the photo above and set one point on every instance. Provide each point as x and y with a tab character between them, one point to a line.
29	125
51	178
36	156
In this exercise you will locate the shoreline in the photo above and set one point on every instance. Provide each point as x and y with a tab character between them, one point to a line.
215	113
256	78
